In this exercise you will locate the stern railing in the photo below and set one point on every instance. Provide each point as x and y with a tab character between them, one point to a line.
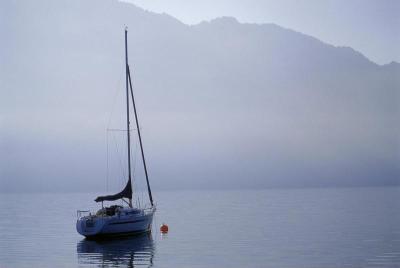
82	213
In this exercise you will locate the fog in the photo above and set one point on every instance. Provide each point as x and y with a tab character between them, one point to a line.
221	104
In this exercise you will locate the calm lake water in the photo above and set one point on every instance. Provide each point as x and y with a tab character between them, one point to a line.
345	227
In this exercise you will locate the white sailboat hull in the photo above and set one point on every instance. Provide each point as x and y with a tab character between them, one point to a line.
124	223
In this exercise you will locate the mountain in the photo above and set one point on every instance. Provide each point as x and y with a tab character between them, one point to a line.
222	104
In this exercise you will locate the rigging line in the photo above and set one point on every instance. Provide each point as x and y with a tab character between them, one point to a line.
119	158
143	199
133	166
116	94
116	129
107	172
139	136
135	157
134	181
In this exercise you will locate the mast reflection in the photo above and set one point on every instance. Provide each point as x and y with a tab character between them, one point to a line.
137	251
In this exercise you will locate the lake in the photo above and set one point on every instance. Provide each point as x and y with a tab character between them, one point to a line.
321	227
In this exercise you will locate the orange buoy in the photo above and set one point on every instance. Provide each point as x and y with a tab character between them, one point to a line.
164	228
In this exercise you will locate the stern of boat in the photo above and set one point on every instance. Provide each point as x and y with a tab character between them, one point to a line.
88	225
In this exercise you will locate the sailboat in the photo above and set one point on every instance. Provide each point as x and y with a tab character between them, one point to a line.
119	220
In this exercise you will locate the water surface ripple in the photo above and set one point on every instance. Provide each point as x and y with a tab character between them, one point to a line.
305	228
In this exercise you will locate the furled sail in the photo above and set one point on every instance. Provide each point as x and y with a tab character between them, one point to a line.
125	193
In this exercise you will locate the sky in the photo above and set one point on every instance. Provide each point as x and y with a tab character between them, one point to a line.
372	27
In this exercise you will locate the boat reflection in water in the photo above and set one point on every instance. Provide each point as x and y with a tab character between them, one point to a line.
136	251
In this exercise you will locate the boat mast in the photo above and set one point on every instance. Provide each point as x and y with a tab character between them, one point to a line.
127	111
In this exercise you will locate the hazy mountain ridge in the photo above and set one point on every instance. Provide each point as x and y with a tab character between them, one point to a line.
241	105
268	28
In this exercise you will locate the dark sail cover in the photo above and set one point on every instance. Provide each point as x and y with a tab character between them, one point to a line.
125	193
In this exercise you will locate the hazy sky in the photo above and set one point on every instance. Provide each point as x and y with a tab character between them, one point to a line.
221	104
369	26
